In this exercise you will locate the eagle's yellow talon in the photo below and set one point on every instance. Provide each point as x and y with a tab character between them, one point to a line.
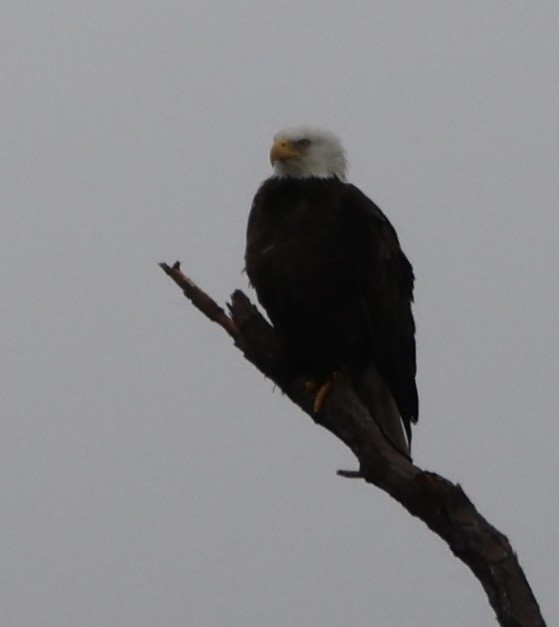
321	395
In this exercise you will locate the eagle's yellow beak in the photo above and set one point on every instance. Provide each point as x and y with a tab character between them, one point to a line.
284	149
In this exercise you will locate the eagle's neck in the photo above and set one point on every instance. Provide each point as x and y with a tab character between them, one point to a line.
311	168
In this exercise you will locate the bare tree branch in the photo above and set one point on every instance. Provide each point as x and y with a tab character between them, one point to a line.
440	504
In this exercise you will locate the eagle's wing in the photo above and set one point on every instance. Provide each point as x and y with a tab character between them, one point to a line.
385	278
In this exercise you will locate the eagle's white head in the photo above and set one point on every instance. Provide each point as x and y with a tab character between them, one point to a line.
306	152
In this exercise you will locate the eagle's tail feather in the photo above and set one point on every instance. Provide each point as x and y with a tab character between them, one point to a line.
377	398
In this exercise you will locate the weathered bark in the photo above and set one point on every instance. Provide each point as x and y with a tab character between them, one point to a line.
440	504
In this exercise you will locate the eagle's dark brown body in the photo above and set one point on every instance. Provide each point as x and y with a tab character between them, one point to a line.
327	267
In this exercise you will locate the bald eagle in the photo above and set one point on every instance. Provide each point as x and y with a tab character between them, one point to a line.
327	267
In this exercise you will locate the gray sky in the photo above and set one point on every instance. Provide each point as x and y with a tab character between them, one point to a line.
150	476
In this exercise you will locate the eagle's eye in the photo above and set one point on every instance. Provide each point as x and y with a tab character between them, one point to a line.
304	143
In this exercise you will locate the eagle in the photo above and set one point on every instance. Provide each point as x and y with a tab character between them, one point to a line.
328	269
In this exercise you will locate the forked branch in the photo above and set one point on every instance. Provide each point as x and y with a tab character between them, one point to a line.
440	504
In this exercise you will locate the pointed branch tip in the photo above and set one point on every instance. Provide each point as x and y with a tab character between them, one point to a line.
350	474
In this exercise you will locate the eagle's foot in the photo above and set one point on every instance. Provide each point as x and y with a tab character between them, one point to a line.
322	391
321	395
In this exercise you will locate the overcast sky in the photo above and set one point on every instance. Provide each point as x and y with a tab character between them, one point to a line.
151	476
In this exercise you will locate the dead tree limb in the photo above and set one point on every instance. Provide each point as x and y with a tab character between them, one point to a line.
440	504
